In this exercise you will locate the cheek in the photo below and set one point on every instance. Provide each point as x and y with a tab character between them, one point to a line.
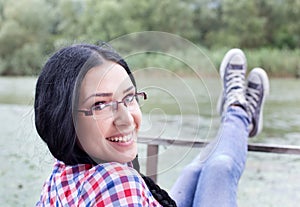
137	116
89	131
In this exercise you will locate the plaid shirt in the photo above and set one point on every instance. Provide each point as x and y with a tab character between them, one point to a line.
108	184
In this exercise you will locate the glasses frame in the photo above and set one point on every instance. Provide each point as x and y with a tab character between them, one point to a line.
114	104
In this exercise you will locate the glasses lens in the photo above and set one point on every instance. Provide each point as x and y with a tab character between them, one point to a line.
129	100
105	112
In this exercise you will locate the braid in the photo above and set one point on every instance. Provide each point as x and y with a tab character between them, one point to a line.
159	194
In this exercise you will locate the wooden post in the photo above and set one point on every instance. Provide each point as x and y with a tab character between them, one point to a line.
152	161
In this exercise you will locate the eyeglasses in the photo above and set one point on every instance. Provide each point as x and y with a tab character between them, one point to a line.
104	110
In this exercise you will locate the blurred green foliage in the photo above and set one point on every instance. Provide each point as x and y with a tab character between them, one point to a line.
30	30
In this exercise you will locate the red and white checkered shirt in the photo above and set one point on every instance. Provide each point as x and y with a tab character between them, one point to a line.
108	184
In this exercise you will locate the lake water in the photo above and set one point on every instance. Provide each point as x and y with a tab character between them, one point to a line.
179	108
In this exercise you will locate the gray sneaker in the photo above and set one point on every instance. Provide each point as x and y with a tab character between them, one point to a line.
256	92
232	70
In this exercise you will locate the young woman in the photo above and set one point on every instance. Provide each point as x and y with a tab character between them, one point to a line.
87	111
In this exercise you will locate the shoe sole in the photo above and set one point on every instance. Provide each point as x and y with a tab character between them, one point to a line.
228	56
266	90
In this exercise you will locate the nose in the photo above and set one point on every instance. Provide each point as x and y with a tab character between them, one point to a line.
123	117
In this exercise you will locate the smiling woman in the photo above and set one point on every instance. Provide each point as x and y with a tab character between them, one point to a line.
87	111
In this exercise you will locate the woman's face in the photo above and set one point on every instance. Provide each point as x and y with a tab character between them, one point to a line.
112	135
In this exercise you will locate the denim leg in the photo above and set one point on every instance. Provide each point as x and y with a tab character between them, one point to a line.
212	178
183	191
217	185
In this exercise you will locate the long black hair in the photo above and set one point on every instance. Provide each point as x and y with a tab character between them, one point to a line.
56	97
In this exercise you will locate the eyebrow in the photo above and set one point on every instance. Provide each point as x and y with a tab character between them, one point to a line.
128	89
106	94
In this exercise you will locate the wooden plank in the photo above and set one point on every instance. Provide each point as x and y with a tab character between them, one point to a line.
278	149
256	147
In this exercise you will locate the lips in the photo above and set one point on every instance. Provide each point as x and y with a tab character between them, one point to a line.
121	139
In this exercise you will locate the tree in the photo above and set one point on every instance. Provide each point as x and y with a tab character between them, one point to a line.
287	34
241	25
24	36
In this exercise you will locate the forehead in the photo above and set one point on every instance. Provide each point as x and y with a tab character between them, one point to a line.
107	77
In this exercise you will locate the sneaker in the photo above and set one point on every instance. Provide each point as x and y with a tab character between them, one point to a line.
256	92
232	70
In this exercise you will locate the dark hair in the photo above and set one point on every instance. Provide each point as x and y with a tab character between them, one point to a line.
56	97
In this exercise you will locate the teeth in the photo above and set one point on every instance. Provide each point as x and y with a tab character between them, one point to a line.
121	139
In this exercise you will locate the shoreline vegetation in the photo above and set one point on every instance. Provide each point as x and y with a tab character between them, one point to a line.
277	63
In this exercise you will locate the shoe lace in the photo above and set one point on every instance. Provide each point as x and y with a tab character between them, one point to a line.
235	85
252	97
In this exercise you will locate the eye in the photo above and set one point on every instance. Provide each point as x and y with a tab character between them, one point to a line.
129	98
99	106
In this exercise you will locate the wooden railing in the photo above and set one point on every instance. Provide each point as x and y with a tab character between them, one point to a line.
154	143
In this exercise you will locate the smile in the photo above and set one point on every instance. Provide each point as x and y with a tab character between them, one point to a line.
122	139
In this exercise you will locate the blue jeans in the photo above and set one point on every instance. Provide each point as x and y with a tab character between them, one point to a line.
212	177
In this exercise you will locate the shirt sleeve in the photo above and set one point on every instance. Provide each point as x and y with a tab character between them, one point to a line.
114	184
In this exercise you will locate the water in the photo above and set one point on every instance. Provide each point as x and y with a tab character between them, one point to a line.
186	110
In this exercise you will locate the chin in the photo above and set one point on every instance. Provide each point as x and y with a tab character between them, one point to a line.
128	158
